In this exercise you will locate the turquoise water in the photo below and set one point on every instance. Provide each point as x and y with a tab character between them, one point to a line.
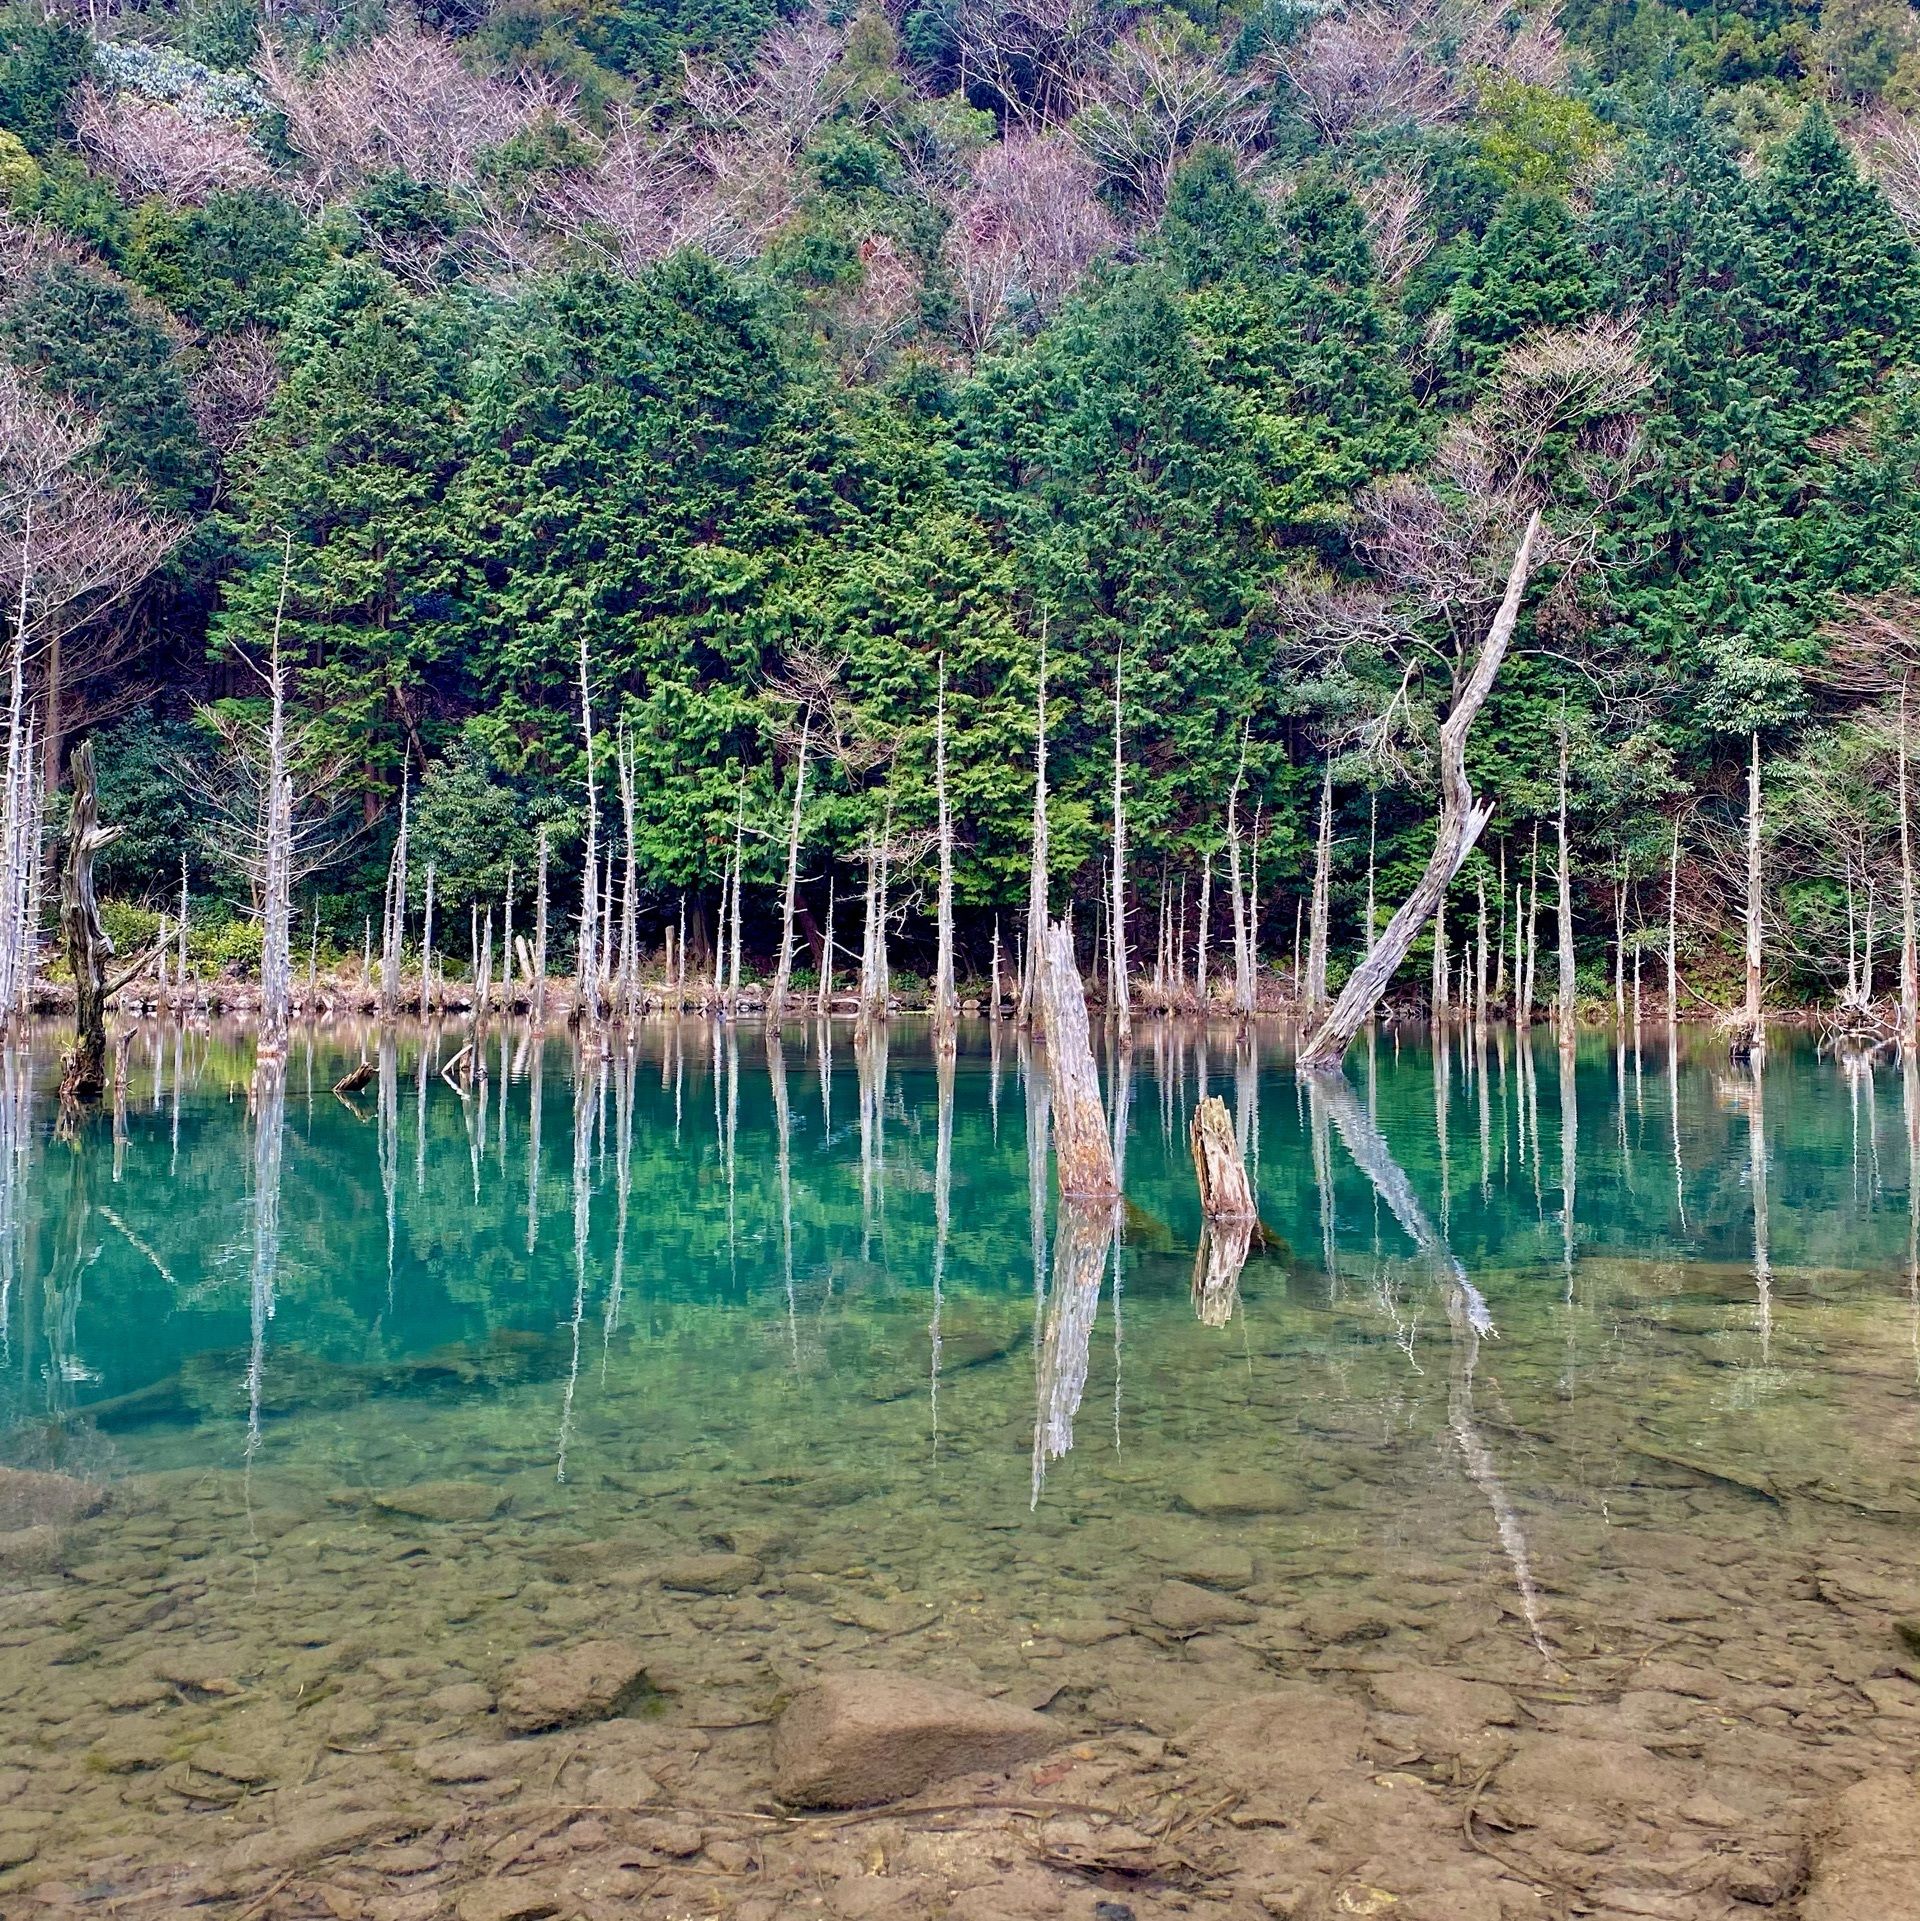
457	1366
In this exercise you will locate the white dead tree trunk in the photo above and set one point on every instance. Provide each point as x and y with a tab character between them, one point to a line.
426	946
1083	1147
1320	913
1567	999
1242	953
1753	1031
19	836
396	911
946	1002
823	999
1909	935
1037	871
790	903
539	990
629	977
276	933
587	984
1461	820
1118	998
1673	925
739	853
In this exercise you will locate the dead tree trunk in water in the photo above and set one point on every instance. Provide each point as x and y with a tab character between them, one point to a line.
1569	992
539	991
783	974
1909	938
1225	1192
1752	1031
1461	820
1318	916
396	914
946	1003
426	947
1083	1149
88	946
1037	872
1117	996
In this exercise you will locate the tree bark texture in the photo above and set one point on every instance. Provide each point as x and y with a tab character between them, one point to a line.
1083	1149
88	946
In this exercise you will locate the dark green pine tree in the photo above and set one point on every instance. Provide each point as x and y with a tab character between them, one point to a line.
353	460
1529	270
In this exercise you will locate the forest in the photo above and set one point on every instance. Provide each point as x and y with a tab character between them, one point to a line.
721	457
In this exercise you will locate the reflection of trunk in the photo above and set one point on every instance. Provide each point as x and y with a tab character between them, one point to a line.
942	1216
1222	1253
1079	1266
1225	1194
1757	1180
1083	1149
269	1121
1569	1159
88	946
1467	1319
1461	821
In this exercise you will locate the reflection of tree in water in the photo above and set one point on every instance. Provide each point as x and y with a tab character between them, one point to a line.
585	1105
1082	1235
269	1132
1468	1318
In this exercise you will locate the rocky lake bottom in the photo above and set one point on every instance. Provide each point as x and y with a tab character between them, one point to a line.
702	1482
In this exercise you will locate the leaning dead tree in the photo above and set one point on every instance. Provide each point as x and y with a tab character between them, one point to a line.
89	947
1462	818
1083	1148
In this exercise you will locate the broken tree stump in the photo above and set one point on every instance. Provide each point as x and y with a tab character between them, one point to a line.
1083	1149
1225	1192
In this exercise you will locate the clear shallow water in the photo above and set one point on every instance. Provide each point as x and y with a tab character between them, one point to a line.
1544	1370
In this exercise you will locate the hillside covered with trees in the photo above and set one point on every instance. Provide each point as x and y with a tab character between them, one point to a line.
821	380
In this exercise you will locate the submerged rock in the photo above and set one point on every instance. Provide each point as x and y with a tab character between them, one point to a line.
26	1552
1866	1854
858	1740
32	1499
1232	1491
708	1573
442	1501
1182	1608
1278	1750
592	1681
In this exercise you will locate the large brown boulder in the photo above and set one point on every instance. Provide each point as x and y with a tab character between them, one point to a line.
859	1740
1866	1853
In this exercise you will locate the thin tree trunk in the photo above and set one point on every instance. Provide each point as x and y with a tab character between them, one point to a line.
506	948
1751	1015
540	933
1909	936
1620	949
1037	871
426	947
946	1002
823	1001
783	974
739	870
1437	992
1242	959
276	931
1480	955
993	991
1568	989
629	904
88	946
396	912
1673	925
587	979
1317	924
1117	996
1200	933
1500	951
1461	820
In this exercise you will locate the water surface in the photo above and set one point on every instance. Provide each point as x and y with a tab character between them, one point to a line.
1542	1369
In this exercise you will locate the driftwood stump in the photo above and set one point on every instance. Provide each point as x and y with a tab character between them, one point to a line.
1225	1192
1083	1149
88	946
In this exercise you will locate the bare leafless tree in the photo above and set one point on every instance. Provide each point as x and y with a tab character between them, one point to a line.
1038	56
148	147
1160	94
